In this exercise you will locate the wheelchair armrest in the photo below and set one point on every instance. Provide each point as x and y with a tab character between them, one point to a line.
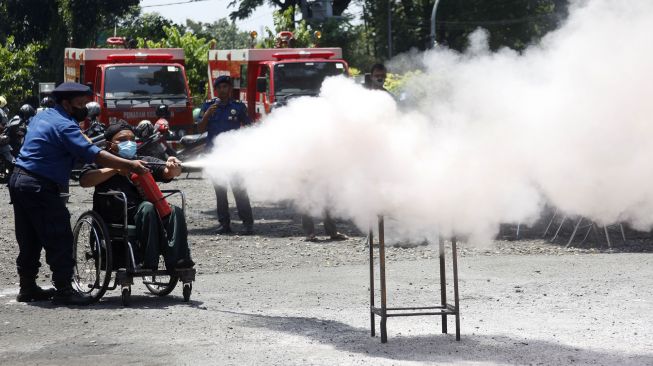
170	192
119	195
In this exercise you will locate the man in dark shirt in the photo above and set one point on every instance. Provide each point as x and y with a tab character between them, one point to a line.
174	248
221	115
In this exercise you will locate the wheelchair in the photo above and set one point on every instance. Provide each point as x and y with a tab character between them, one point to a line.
102	249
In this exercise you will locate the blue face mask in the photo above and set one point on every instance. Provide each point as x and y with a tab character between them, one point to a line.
127	149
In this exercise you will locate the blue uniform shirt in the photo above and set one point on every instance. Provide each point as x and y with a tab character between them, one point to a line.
52	144
230	116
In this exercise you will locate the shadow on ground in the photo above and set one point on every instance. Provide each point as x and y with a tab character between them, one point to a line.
438	347
139	300
274	221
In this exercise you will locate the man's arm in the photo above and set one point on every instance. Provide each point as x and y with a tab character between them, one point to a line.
206	116
244	116
111	161
93	177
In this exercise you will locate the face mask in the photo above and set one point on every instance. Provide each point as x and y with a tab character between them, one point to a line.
79	114
127	149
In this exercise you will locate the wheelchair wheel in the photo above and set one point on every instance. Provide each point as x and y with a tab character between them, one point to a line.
92	251
160	285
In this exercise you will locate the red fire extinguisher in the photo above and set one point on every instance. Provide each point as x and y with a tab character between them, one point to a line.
150	191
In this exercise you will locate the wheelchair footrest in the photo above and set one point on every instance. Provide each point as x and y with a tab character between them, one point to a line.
124	278
186	274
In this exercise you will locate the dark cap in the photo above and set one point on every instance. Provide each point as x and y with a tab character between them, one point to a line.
70	87
116	127
222	79
70	90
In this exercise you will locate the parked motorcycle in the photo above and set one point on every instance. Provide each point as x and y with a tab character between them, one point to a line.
6	158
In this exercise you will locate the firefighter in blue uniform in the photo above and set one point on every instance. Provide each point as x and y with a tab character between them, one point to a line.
40	178
221	115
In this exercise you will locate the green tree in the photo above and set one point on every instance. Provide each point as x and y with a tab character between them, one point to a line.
284	21
226	33
196	51
245	8
140	25
18	70
58	24
514	24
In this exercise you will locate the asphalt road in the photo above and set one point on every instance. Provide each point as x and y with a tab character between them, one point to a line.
275	299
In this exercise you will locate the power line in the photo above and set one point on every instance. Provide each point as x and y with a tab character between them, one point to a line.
177	3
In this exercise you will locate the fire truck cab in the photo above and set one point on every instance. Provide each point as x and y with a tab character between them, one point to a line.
129	84
267	78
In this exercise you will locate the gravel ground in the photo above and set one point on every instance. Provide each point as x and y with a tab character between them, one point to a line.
273	298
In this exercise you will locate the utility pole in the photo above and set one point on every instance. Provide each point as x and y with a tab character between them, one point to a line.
433	15
390	29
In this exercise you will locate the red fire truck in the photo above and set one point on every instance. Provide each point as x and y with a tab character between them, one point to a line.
130	84
266	78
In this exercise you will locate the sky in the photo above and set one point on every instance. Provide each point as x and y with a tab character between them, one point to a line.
208	11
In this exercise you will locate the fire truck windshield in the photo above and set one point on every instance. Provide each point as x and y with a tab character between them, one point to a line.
292	78
144	81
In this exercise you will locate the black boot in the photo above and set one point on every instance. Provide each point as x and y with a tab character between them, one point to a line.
224	229
67	295
248	229
30	291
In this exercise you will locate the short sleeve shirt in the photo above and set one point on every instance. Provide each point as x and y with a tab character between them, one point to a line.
52	144
230	116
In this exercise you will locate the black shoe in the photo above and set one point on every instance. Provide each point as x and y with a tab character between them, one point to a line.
184	263
311	238
69	296
224	230
34	293
339	237
249	230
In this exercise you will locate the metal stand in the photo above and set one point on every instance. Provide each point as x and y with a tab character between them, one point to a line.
386	312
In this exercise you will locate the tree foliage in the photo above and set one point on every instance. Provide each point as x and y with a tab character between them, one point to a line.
196	51
18	67
226	33
58	24
245	8
514	24
136	25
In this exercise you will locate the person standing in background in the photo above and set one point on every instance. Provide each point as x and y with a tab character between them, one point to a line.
221	115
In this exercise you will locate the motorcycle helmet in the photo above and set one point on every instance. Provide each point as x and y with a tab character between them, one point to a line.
93	110
144	129
196	114
162	126
26	112
47	102
162	111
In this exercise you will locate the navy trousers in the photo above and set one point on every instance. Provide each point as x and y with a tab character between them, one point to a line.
242	204
42	222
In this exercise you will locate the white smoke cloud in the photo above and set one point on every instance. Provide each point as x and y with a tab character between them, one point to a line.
488	137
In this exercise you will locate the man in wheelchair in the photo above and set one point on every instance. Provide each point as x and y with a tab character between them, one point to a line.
172	241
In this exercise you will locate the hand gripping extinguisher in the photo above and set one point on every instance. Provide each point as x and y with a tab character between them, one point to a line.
150	191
